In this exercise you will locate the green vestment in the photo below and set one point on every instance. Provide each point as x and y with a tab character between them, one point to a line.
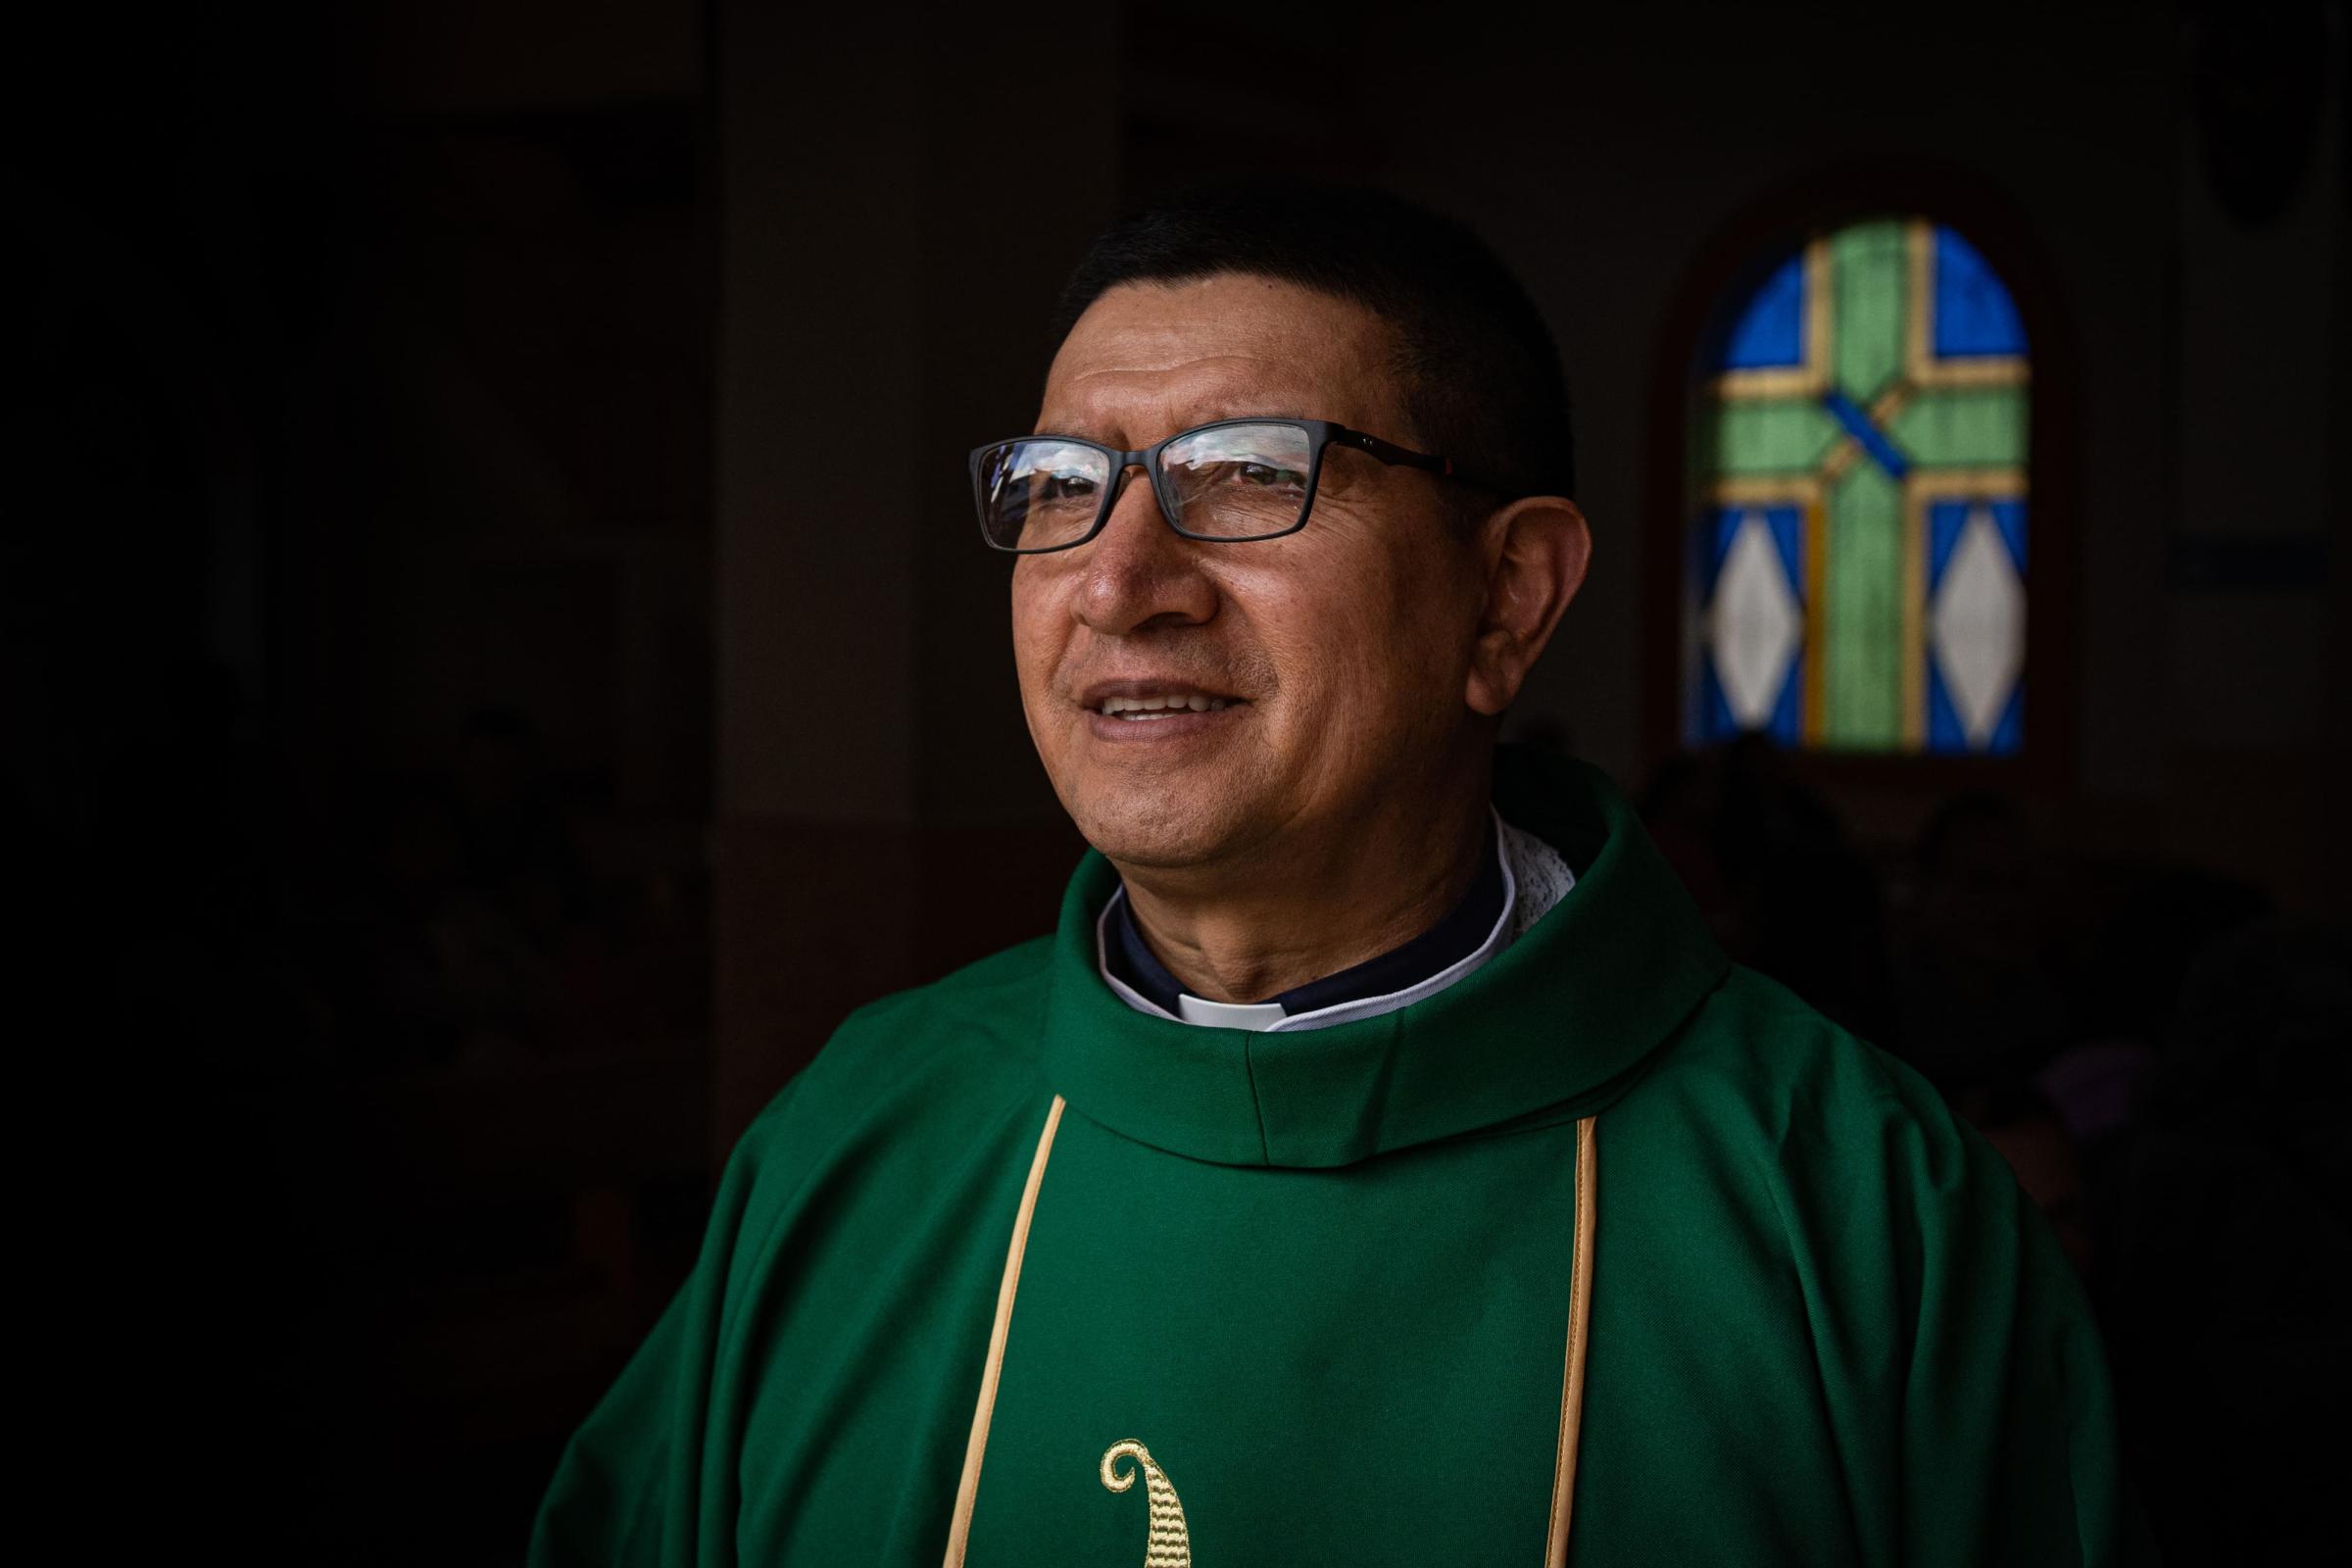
1305	1298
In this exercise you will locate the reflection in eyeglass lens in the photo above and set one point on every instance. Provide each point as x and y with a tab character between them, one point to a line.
1042	491
1240	479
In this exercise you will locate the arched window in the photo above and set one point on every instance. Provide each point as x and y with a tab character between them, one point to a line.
1857	581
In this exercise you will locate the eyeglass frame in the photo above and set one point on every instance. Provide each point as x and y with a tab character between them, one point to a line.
1322	433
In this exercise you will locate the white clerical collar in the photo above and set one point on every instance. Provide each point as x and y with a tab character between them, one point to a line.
1227	1014
1533	876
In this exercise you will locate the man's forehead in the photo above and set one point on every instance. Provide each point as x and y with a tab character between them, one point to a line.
1129	401
1159	356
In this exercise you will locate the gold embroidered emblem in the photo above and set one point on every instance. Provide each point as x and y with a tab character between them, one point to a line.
1170	1543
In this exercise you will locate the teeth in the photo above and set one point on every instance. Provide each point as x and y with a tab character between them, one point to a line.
1162	705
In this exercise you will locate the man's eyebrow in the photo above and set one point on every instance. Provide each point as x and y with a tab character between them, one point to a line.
1208	414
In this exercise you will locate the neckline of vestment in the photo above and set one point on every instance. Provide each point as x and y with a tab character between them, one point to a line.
1560	1020
1477	928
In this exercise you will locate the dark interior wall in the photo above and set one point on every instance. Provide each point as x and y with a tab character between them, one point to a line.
884	312
359	683
495	595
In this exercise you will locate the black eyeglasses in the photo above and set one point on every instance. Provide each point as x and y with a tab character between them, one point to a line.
1232	481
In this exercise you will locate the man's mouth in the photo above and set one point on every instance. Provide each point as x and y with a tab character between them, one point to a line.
1138	702
1141	708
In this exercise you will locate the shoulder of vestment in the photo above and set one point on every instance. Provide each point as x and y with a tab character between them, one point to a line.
1770	1078
932	1062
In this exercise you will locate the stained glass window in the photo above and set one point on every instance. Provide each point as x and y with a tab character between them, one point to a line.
1858	578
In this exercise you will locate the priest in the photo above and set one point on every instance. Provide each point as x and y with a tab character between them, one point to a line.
1379	1164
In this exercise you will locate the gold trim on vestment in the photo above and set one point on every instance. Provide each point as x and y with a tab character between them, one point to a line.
1580	1318
968	1489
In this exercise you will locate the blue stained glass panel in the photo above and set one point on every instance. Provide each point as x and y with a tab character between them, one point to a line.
1873	440
1722	724
2010	733
1787	709
1725	529
1945	732
1769	331
1787	537
1974	313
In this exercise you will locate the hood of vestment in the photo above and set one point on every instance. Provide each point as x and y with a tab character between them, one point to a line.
1558	1024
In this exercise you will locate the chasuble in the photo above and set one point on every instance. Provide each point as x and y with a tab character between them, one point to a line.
1610	1253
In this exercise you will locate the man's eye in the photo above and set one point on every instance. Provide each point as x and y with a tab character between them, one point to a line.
1065	486
1267	473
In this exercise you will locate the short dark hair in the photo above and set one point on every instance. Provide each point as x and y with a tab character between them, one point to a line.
1480	374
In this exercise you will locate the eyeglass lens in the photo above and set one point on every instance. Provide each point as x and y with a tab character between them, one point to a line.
1236	482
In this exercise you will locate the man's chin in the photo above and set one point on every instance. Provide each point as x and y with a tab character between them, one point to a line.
1159	840
1151	849
1168	807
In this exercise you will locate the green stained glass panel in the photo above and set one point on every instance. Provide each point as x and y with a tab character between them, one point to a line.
1862	628
1775	435
1967	427
1868	262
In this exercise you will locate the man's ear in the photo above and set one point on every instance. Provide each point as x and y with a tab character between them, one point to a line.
1535	552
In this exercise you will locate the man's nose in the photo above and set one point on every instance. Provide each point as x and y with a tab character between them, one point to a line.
1139	570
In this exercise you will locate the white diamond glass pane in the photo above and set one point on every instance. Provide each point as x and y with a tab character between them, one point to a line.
1979	621
1757	625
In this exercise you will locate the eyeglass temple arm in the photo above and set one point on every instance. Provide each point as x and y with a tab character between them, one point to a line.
1405	457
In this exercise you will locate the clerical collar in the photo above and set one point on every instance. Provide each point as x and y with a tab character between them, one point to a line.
1558	1024
1477	928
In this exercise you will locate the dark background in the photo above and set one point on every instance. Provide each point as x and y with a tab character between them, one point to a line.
498	662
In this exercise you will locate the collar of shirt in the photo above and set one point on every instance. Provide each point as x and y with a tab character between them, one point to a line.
1472	932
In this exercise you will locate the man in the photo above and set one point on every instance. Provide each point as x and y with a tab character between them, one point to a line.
1379	1164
